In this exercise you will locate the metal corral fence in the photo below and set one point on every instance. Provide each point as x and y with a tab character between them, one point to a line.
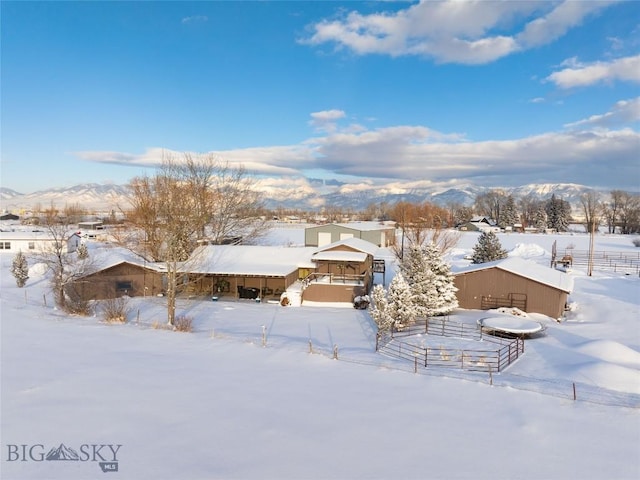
498	354
624	262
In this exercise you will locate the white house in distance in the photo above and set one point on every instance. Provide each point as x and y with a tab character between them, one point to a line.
33	241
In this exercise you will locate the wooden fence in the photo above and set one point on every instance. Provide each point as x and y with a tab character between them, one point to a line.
493	354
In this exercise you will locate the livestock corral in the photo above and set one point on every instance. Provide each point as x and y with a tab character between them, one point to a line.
443	343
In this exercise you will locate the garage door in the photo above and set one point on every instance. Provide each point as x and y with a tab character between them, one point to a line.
324	238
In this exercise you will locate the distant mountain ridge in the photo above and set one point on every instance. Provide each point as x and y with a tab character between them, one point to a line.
328	193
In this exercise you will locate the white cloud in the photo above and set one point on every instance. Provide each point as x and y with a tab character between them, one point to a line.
557	22
624	111
195	19
326	120
410	153
584	74
453	31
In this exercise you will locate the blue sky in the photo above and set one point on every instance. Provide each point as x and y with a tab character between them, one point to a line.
371	93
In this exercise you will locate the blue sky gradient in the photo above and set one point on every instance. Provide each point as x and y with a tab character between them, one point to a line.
446	93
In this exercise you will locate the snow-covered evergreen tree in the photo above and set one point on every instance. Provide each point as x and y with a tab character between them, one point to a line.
488	248
421	280
540	218
82	251
509	213
379	308
558	214
446	299
401	302
20	269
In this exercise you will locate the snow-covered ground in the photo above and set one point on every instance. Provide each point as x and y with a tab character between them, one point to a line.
243	397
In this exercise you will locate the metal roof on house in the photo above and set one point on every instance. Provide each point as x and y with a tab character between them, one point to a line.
527	269
365	226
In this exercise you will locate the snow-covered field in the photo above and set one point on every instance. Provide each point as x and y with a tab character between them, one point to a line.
243	397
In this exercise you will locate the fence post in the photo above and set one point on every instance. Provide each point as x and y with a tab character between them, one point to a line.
377	341
490	376
415	364
426	353
264	336
138	317
311	346
574	391
44	298
335	352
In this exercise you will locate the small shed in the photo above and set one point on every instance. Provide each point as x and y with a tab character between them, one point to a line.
123	277
379	234
513	282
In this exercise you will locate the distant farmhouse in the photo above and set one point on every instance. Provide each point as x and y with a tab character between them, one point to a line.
34	241
9	217
480	224
382	235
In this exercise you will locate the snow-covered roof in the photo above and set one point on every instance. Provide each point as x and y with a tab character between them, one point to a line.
105	258
30	235
355	243
340	256
527	269
480	219
276	261
365	226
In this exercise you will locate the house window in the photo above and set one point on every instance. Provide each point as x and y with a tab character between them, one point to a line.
32	245
5	245
123	286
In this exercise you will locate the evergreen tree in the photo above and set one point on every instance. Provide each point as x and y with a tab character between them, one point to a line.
20	269
401	302
540	218
509	213
488	249
421	280
446	299
558	214
82	251
379	308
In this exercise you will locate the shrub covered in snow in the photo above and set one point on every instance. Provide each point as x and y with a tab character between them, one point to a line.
20	269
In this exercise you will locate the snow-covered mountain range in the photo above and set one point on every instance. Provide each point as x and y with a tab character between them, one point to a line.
303	194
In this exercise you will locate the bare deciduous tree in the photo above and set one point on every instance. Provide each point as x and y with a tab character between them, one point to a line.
423	223
190	200
490	204
63	265
592	210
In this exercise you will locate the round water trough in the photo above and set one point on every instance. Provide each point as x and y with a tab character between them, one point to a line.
509	325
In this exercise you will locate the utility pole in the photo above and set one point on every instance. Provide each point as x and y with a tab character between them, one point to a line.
591	242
